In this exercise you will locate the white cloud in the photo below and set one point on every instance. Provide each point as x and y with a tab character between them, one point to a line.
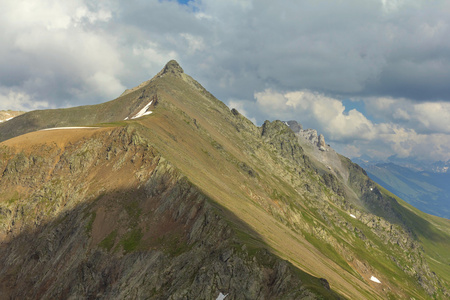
151	55
195	43
18	100
390	6
326	113
54	55
83	13
388	52
353	134
425	117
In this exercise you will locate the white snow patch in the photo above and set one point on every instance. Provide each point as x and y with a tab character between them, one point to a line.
371	189
286	124
221	296
57	128
125	119
143	112
1	121
353	216
374	279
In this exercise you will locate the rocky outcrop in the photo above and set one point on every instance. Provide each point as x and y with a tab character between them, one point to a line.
309	135
283	140
171	67
321	142
294	126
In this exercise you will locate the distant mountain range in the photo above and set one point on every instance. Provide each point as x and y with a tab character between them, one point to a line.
427	187
409	163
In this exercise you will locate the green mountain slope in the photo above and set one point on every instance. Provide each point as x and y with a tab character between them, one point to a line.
194	200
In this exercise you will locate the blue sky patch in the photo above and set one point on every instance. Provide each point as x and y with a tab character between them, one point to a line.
184	2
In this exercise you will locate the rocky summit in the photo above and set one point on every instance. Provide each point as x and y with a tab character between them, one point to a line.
166	193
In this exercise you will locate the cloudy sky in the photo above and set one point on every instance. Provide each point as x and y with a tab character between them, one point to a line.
373	76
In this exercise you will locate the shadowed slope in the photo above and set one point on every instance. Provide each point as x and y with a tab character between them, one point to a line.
103	215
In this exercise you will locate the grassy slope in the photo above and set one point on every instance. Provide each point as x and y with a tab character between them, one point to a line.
183	127
210	155
434	234
379	256
208	161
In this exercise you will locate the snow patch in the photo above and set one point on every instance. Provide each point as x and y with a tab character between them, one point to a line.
125	119
57	128
374	279
221	296
353	216
1	121
286	124
143	112
371	189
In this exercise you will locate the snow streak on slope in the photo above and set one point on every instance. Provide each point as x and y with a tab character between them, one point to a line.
142	112
374	279
1	121
58	128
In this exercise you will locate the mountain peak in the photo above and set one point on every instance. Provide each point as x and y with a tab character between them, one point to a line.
172	67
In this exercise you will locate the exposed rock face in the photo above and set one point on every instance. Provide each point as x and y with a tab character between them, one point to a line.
157	237
171	67
275	134
310	135
295	126
321	142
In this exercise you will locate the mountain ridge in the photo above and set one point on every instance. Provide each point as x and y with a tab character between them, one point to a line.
292	205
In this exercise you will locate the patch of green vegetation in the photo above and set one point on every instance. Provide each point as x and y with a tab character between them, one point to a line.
90	223
432	232
60	220
317	286
216	145
133	210
328	251
131	240
252	245
379	257
83	153
14	198
108	242
174	245
206	152
112	124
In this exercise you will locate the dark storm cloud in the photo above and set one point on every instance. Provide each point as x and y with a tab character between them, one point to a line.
78	52
347	48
